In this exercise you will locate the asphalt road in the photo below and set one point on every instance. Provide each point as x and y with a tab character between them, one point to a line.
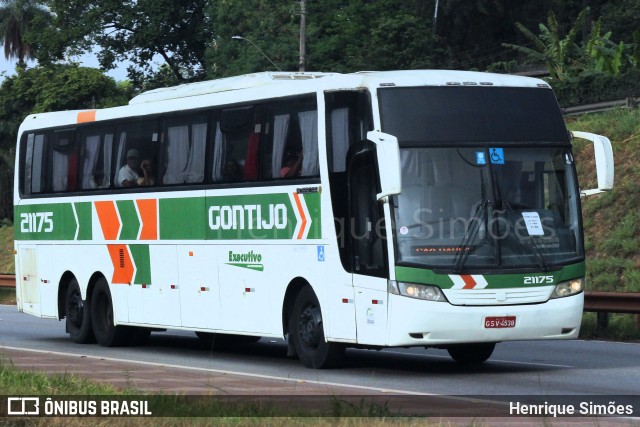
518	368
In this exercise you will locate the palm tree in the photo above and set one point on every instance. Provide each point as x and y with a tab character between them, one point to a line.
16	16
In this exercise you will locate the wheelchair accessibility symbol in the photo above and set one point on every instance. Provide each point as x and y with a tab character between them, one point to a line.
497	156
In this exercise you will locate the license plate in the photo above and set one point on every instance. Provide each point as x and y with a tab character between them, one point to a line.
500	322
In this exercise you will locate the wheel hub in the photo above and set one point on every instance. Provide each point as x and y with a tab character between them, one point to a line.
75	310
310	327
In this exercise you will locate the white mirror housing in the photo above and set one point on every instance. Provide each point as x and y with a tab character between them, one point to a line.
604	161
388	156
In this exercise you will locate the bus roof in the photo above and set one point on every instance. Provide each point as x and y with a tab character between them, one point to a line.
361	79
265	85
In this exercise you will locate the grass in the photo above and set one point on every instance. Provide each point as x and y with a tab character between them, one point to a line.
7	265
612	220
7	296
621	327
14	382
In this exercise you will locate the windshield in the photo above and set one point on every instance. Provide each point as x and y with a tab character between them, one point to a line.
487	207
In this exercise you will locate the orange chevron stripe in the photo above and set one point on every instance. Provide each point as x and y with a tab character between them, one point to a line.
148	209
123	268
304	218
469	281
86	116
108	217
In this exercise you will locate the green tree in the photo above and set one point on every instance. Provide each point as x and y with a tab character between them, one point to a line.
342	36
601	54
53	88
16	17
271	25
557	51
176	33
367	35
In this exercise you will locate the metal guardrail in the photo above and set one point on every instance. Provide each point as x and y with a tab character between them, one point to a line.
601	106
612	302
604	303
7	281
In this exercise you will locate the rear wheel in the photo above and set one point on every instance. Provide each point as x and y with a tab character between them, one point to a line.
471	353
307	332
78	315
106	332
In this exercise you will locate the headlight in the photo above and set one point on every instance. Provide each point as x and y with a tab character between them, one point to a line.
413	290
568	288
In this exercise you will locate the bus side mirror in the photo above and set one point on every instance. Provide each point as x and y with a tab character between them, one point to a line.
388	156
604	161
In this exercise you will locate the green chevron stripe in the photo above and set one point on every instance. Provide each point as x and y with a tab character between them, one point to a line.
142	261
129	219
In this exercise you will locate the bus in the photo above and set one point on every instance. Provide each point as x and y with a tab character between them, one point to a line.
371	210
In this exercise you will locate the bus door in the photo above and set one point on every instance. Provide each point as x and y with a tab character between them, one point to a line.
353	182
367	245
29	282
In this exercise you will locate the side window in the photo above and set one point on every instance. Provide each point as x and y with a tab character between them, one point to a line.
34	163
348	121
294	142
295	145
237	146
137	154
184	150
50	162
64	162
96	148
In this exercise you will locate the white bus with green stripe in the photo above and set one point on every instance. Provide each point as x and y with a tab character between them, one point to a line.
378	209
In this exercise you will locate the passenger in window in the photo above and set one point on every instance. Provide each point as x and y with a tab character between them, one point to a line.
97	180
232	171
292	165
147	174
127	175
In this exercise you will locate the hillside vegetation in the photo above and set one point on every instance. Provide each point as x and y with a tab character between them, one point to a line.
612	220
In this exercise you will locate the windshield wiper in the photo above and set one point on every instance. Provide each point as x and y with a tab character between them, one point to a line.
530	242
469	237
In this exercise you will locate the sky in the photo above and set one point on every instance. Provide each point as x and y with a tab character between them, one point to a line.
88	60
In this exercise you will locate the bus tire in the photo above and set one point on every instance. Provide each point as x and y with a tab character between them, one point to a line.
307	332
77	315
106	332
471	353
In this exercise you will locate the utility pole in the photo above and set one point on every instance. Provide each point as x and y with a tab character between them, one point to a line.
435	18
303	35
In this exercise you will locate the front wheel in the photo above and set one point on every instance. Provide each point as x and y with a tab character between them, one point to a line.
471	353
106	332
77	315
307	332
